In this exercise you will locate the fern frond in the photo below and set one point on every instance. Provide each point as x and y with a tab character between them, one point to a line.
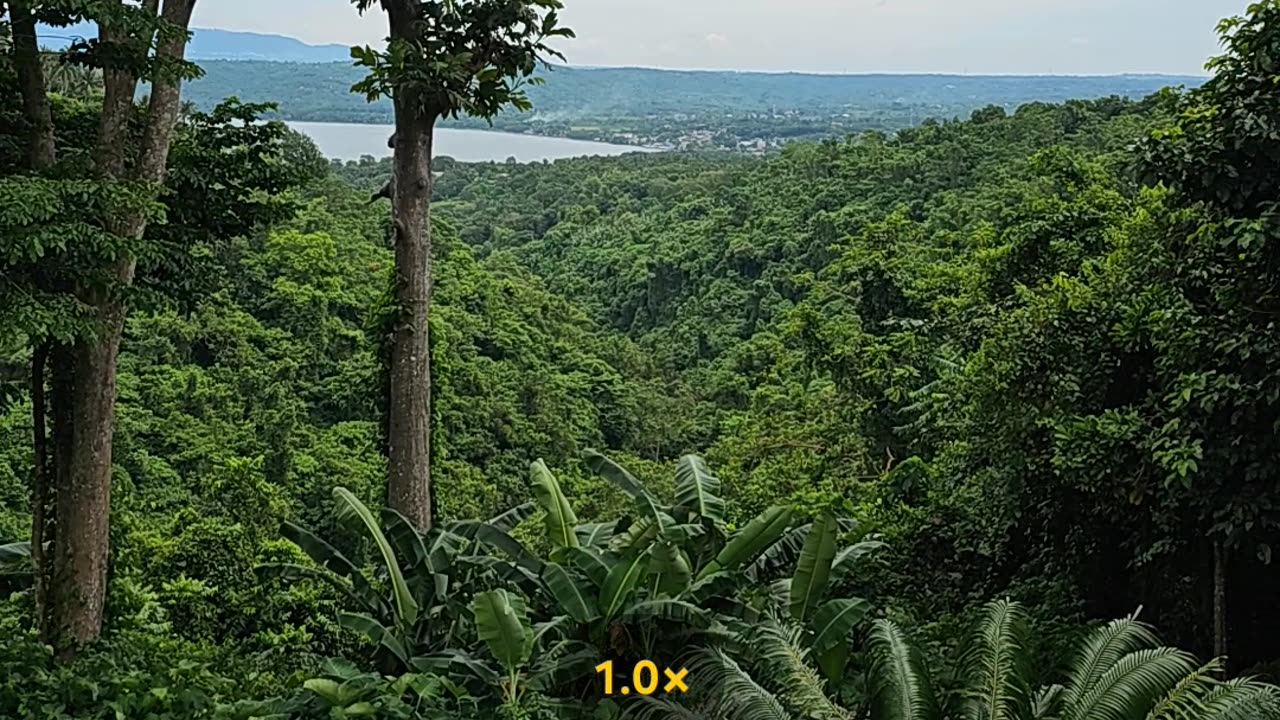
1102	649
736	695
787	659
1183	702
899	682
1047	702
1133	685
1241	699
996	665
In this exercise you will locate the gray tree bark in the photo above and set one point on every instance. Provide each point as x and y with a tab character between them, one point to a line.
409	406
42	156
83	505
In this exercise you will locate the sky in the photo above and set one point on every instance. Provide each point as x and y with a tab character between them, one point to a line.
852	36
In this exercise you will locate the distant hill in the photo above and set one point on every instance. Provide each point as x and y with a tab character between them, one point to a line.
214	44
321	92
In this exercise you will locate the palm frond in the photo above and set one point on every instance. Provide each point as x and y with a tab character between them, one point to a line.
1184	700
1046	703
787	659
1130	687
899	684
1102	649
1241	699
996	665
736	695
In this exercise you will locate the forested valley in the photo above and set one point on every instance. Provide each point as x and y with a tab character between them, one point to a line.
975	419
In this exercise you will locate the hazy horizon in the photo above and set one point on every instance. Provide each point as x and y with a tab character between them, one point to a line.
827	37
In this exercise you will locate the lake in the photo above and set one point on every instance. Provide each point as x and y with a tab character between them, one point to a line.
350	141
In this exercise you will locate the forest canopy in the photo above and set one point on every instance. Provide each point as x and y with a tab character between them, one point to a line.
973	418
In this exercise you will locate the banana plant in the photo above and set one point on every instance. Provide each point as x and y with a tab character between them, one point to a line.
803	598
414	600
672	562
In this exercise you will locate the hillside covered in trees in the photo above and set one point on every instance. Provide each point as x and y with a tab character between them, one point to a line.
976	419
665	108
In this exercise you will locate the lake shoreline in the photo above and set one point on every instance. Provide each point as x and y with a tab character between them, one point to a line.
353	140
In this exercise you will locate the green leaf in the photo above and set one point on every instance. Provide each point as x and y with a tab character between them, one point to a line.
835	620
640	534
671	567
813	568
622	581
669	609
508	520
592	562
14	552
566	663
615	473
996	663
573	595
847	560
377	632
404	537
406	608
450	662
559	514
748	542
697	490
329	690
499	540
502	622
899	681
595	534
833	662
292	573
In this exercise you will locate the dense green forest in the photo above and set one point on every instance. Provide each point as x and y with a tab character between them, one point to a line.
975	419
679	108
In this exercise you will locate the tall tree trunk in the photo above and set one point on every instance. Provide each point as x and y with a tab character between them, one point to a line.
83	506
409	409
40	487
35	100
1219	600
42	156
61	376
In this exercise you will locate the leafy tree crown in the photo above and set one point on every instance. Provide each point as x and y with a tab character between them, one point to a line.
464	56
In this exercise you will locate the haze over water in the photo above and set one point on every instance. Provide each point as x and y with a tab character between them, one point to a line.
350	141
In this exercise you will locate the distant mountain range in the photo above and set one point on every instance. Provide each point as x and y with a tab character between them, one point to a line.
214	44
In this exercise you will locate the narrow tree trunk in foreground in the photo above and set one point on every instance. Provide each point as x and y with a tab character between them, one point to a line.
35	100
409	406
1219	600
40	487
42	156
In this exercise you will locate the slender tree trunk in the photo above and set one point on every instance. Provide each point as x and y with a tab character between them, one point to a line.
83	504
1219	600
61	376
40	486
42	156
409	409
35	100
